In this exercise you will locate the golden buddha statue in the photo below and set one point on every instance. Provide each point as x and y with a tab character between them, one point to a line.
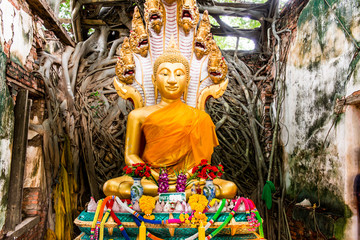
168	134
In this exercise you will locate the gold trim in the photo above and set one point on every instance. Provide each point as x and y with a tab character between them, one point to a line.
215	90
129	92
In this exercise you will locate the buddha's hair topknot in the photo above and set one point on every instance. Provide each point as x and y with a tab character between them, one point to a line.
172	55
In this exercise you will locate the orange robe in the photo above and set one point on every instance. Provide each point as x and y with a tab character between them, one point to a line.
178	136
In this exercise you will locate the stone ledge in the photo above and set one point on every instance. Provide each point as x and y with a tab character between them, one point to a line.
23	227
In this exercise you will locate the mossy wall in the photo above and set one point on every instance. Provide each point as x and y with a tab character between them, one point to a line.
16	39
6	134
322	66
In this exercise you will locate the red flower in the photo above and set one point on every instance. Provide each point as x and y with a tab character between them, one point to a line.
221	167
203	173
204	162
138	170
205	170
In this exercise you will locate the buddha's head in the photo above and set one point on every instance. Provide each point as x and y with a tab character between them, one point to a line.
171	73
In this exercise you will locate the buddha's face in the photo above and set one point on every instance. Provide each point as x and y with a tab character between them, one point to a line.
171	80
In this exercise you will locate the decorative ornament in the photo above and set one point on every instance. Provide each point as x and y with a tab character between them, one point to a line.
136	190
209	190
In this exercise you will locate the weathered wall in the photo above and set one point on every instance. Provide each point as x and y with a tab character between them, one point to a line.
15	41
321	149
16	33
20	34
6	132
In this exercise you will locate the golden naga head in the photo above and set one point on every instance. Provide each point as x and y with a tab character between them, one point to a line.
138	36
217	67
202	37
154	14
125	66
188	15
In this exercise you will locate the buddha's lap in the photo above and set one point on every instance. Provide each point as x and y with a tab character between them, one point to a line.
120	186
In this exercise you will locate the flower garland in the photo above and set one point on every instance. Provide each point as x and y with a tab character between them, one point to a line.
137	217
231	215
181	182
198	204
101	213
93	225
99	219
213	219
120	226
137	222
163	181
184	217
147	204
259	220
105	217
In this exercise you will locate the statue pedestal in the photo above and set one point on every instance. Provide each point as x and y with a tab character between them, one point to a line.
238	227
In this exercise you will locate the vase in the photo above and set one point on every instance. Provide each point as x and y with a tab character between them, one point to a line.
209	190
137	190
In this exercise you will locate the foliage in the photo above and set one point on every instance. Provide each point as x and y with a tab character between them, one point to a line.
239	23
65	13
228	43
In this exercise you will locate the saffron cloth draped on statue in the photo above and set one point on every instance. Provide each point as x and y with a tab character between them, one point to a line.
178	136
